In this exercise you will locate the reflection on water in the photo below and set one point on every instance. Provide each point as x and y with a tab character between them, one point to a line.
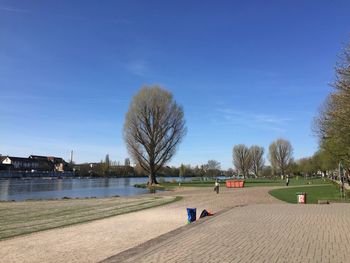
23	189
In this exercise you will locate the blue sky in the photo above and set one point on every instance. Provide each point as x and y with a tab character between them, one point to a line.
244	71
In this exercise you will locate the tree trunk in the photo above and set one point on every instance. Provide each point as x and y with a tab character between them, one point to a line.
152	179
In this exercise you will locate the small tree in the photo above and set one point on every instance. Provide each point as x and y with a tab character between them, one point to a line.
281	155
197	171
127	162
213	168
154	126
242	159
326	161
293	168
182	170
266	171
308	166
105	165
257	159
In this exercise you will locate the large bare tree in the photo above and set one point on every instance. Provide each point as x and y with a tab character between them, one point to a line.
257	159
242	159
281	155
153	128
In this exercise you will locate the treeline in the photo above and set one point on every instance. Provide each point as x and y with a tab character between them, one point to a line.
104	168
99	170
321	163
107	168
249	162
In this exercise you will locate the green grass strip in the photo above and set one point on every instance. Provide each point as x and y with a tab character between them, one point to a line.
251	182
328	192
19	218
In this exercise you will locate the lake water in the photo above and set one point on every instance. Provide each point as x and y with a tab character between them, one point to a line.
40	188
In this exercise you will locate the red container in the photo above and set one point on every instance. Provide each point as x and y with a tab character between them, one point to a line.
235	183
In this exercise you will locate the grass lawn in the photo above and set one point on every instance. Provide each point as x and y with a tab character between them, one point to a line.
279	182
18	218
314	193
248	183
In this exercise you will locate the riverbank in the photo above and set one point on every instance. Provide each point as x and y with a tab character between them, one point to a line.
100	239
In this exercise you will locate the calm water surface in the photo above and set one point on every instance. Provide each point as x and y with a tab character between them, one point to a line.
23	189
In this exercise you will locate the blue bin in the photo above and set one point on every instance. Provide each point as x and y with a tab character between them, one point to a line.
191	214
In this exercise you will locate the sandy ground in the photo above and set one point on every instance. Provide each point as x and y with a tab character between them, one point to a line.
100	239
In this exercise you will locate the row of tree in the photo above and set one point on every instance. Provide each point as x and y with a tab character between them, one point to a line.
105	167
321	161
251	160
248	160
112	168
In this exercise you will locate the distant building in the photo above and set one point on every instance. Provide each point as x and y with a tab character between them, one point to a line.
58	164
33	163
2	166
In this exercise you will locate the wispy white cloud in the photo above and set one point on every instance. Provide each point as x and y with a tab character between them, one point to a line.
73	17
21	97
138	67
14	10
269	119
256	72
226	116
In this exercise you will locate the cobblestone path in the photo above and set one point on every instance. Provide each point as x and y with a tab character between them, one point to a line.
260	233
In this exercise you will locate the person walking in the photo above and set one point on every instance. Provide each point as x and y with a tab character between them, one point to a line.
217	186
287	180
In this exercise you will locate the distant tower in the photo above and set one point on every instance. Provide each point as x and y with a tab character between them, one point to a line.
71	156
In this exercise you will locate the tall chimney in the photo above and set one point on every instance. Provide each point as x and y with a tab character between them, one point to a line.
71	156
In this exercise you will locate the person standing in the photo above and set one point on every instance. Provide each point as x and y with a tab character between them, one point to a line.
217	186
287	180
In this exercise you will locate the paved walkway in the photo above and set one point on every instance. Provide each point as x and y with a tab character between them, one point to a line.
258	233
